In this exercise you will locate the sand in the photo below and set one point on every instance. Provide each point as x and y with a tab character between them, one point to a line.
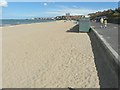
0	57
44	55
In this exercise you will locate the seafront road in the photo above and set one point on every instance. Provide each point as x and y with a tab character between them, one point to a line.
110	47
110	34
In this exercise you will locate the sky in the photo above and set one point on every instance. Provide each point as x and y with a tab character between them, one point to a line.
19	10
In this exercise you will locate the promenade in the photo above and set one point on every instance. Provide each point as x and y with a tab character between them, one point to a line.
110	34
106	50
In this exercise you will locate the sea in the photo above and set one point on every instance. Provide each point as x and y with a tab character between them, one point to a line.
9	22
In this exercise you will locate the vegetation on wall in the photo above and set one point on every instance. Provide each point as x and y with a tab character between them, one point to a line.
113	16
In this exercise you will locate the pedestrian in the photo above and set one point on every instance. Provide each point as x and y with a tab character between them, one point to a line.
101	21
105	23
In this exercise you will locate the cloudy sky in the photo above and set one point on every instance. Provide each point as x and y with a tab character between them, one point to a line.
50	9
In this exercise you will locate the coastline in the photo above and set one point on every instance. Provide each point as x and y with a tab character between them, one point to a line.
44	21
37	23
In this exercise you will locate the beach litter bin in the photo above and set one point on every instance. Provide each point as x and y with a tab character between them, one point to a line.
84	25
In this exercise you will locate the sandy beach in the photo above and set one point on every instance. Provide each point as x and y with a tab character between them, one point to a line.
44	55
0	57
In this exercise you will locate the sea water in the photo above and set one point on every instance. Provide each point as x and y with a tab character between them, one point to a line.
8	22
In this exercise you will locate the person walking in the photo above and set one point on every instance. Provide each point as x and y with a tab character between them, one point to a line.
105	23
101	21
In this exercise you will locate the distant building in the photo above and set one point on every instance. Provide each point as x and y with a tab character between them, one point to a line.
69	17
43	18
67	14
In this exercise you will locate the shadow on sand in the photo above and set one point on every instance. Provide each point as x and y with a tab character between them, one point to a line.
108	78
74	29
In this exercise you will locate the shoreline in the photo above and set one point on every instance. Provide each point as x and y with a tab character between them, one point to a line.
12	25
26	23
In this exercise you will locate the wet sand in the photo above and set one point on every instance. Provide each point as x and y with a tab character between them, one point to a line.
45	55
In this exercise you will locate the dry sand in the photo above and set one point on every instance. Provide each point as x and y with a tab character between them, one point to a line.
45	55
0	57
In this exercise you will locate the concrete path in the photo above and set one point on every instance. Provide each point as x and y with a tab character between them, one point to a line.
105	49
103	61
110	34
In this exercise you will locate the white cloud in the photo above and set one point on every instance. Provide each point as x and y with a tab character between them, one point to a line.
62	0
72	11
0	12
3	3
45	4
75	6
